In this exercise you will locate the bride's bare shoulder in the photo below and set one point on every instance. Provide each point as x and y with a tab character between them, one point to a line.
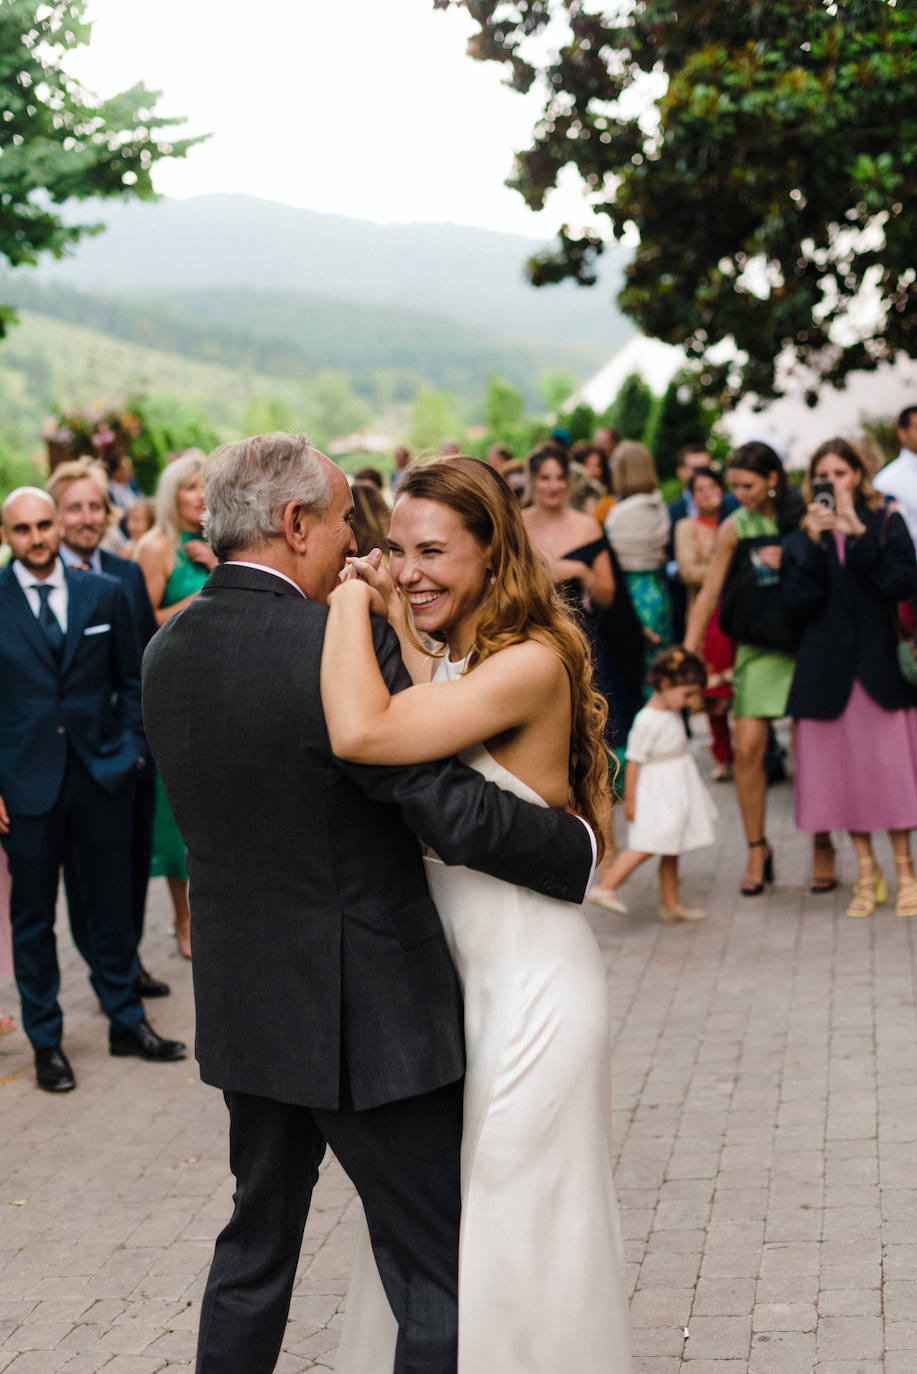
530	662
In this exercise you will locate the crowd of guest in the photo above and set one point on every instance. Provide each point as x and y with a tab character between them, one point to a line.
746	597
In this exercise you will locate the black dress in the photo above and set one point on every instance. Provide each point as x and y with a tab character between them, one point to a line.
615	640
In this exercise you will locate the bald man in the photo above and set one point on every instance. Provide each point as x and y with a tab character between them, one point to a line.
71	745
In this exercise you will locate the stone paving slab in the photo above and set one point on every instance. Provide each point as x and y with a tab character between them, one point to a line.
765	1097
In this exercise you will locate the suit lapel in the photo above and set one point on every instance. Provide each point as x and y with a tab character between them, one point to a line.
15	603
80	601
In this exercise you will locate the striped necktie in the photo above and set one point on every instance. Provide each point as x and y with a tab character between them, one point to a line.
49	621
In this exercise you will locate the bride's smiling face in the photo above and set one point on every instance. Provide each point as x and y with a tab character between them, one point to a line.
440	567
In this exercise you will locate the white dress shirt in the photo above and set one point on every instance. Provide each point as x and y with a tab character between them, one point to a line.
56	581
75	560
260	567
899	479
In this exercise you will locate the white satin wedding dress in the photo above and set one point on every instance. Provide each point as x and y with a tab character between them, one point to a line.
541	1266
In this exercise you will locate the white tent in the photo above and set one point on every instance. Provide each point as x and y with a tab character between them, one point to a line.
798	428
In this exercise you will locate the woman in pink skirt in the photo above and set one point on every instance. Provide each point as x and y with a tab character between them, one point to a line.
844	572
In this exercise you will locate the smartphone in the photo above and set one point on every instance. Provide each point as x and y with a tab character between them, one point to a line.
823	494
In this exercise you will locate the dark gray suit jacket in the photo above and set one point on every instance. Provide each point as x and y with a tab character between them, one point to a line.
319	958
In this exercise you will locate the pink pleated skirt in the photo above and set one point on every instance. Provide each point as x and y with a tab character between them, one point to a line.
858	772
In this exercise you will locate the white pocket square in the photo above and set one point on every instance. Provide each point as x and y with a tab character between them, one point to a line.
96	629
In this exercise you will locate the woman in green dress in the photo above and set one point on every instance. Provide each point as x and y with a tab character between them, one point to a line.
176	562
762	676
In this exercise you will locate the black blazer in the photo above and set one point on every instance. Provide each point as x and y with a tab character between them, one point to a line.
92	700
319	958
133	584
849	631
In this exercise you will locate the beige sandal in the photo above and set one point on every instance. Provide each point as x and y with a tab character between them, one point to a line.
906	904
870	890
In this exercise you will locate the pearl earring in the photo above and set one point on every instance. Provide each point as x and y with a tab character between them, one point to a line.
772	492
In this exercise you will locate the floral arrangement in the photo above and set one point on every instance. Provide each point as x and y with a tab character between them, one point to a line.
96	432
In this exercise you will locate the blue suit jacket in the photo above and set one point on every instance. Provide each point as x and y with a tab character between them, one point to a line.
133	584
92	700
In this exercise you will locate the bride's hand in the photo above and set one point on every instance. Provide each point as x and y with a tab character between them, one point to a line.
354	591
373	570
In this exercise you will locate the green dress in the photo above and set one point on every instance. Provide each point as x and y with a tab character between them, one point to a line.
761	677
168	859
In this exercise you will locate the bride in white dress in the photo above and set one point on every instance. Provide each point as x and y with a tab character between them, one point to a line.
541	1270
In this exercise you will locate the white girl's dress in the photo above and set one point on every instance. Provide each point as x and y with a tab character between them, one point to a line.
674	812
541	1261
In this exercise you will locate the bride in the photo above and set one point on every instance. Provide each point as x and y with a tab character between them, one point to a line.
541	1272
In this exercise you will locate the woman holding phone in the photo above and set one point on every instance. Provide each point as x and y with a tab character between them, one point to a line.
844	572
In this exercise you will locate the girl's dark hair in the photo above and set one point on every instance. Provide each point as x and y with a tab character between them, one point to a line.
582	449
547	451
763	461
705	472
677	667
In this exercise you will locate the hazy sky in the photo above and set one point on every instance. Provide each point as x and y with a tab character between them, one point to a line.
359	107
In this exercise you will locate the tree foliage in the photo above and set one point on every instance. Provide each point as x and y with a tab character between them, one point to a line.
765	154
58	142
630	411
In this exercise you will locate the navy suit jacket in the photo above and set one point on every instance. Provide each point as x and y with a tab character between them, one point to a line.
92	700
133	584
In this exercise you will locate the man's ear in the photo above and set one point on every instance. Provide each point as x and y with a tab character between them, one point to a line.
298	521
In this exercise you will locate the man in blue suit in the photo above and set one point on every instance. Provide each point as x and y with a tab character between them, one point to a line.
71	745
84	514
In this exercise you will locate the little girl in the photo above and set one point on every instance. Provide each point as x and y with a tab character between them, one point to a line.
668	808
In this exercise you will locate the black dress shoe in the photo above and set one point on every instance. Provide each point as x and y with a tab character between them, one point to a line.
143	1041
53	1071
145	985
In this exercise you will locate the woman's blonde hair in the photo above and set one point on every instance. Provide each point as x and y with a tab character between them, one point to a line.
865	493
633	471
181	472
520	602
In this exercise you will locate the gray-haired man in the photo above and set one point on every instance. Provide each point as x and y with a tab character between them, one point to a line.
327	1005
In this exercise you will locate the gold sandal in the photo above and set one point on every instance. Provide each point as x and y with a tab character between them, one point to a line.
870	889
906	904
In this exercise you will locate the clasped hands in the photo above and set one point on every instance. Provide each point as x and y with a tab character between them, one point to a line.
371	572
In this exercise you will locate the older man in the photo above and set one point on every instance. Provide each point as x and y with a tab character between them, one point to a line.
84	514
71	744
327	1005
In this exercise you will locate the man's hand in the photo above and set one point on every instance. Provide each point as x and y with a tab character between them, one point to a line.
374	572
4	819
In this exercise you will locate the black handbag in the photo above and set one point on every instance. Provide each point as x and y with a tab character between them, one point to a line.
752	609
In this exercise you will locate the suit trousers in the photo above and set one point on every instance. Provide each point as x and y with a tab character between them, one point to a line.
144	804
89	830
403	1158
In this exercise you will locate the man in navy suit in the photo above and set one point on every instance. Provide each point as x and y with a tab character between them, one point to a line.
71	745
84	514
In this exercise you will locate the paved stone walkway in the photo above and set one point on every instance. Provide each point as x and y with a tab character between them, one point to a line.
766	1129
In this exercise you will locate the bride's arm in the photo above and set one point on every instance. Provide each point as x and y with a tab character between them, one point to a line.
368	725
377	576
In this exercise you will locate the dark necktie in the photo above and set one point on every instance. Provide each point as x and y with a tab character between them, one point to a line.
48	621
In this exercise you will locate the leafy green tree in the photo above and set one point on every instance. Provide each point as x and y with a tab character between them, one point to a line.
331	407
167	426
435	415
503	410
632	408
555	387
765	154
57	141
681	418
265	414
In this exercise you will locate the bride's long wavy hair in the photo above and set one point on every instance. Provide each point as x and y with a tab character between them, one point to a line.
520	603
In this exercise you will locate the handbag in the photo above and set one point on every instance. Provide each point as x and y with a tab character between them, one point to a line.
752	609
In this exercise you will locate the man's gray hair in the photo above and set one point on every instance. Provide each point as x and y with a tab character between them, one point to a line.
250	483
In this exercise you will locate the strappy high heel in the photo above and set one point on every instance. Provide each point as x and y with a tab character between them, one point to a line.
823	882
751	887
906	905
870	889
